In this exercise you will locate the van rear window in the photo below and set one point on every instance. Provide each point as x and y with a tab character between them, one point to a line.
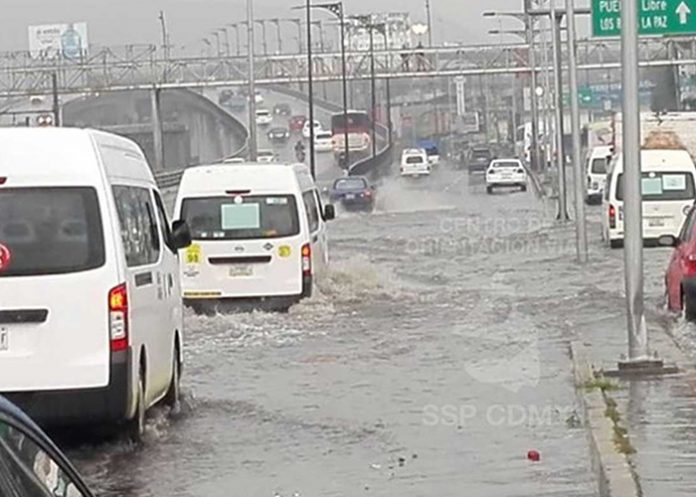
662	186
242	217
599	166
50	231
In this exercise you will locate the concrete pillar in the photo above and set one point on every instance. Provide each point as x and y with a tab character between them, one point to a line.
157	132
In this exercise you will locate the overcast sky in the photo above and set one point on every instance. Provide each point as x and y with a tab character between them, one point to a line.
120	22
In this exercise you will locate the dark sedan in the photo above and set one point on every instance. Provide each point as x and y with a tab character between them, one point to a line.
282	110
278	134
354	193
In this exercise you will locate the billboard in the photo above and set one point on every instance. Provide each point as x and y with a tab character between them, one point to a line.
58	40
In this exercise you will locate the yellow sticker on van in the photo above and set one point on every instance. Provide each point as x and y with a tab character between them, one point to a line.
284	251
193	254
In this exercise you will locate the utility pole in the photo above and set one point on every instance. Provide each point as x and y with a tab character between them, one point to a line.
253	147
534	145
430	22
56	100
580	227
165	36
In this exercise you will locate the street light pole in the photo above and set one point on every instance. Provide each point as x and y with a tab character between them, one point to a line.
346	148
373	102
580	227
310	89
165	36
633	215
253	150
558	89
534	145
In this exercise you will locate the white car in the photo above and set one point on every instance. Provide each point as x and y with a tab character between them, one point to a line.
91	318
414	163
506	173
263	117
305	129
323	141
265	156
597	161
259	235
669	189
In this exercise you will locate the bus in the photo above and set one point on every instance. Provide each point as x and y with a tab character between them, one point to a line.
358	127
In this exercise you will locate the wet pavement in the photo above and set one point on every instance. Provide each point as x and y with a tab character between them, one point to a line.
433	359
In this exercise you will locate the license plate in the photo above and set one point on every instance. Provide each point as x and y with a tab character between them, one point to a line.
4	339
350	196
240	271
655	223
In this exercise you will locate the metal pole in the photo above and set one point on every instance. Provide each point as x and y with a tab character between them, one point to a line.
253	150
227	42
534	145
373	85
56	100
157	133
547	103
265	39
346	148
633	215
580	227
558	88
389	116
165	48
310	90
514	109
299	34
430	23
239	41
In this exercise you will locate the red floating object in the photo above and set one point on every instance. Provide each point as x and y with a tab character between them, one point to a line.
534	456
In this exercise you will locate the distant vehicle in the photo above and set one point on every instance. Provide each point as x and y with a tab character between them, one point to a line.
669	190
431	150
278	134
478	159
296	123
265	156
305	129
263	117
24	448
36	99
44	120
323	142
234	160
598	159
258	97
506	173
414	163
282	109
259	235
225	96
95	228
236	103
353	192
358	128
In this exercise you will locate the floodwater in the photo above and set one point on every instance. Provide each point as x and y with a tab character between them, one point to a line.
433	358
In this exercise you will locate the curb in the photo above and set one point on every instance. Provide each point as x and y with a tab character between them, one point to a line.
615	477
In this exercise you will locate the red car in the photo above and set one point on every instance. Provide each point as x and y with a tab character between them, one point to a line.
680	280
296	124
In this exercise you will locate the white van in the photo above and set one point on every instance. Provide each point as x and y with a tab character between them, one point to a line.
90	304
259	235
668	179
414	163
598	159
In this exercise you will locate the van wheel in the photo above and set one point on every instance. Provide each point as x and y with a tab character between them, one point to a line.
489	190
136	426
523	188
173	397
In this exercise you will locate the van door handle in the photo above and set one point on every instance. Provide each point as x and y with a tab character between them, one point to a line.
143	279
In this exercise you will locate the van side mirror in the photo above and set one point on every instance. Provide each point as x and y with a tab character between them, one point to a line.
329	212
181	235
668	241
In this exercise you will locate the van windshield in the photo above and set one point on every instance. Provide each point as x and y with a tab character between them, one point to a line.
599	166
242	217
414	159
46	231
662	186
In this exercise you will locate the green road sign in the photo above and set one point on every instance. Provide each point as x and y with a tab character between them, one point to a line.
656	17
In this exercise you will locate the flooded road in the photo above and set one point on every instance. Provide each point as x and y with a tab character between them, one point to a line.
433	358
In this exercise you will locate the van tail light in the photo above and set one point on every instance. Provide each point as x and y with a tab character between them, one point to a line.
612	216
367	193
3	180
118	318
306	260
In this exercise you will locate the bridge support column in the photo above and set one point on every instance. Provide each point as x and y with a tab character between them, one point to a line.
157	132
